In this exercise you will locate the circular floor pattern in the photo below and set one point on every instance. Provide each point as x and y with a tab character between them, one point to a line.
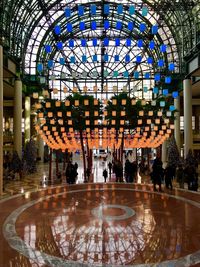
99	212
139	228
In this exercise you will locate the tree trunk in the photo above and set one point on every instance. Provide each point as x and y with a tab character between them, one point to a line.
57	167
50	166
122	149
83	152
64	160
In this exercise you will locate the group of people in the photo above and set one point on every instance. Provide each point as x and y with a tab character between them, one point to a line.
12	165
186	175
116	169
158	175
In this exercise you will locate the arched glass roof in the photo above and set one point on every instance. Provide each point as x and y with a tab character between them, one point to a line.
29	25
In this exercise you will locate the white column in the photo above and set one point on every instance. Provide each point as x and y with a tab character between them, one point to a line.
40	148
187	94
164	154
177	132
1	120
18	118
27	118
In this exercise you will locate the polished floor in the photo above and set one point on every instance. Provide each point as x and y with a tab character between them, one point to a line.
97	224
100	225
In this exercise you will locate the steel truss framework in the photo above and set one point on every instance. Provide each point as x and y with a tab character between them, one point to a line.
27	25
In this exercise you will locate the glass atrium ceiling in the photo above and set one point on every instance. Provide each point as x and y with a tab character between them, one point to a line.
27	26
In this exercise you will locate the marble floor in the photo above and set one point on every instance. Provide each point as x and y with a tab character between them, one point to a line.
100	224
97	224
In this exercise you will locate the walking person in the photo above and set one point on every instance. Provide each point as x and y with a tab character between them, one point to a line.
157	173
105	175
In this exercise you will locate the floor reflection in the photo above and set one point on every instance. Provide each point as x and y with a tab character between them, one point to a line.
65	227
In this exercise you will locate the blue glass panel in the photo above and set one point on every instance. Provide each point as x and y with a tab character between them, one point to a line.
117	42
93	10
168	79
147	75
120	9
62	61
106	24
59	45
142	27
47	48
80	10
50	64
162	103
84	58
165	91
171	66
57	29
127	58
154	29
39	67
150	60
161	63
93	25
144	11
131	10
115	73
118	25
83	43
106	57
128	42
106	41
157	77
67	12
175	94
155	90
130	25
71	43
136	74
116	58
69	27
140	43
163	48
172	108
94	42
126	74
72	59
82	26
94	58
152	45
106	9
138	59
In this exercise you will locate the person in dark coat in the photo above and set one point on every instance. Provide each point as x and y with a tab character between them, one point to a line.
157	173
105	175
169	175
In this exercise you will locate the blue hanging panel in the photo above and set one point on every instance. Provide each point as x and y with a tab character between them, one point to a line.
93	9
120	9
80	10
106	9
57	29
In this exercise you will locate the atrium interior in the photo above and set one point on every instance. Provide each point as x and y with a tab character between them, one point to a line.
99	133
